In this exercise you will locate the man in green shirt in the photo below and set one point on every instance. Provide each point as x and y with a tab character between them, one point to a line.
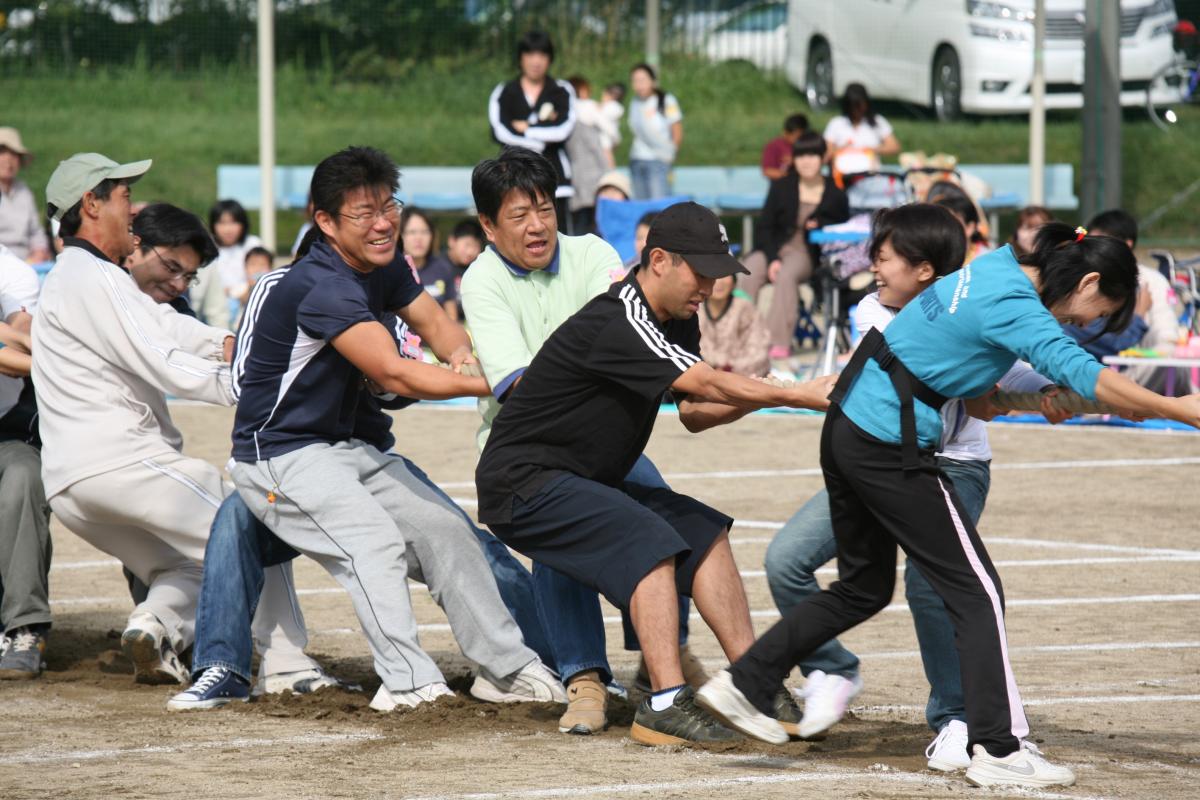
525	284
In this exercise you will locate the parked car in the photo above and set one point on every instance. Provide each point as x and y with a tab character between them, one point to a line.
757	33
963	55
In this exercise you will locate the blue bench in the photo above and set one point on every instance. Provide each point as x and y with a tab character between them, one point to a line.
1010	187
444	189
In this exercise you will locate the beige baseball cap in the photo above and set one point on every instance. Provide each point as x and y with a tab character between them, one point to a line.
10	138
83	172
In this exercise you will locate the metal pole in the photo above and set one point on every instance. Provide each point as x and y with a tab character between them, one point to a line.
1101	108
653	33
266	121
1037	111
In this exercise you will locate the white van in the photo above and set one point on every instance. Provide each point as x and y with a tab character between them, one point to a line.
963	55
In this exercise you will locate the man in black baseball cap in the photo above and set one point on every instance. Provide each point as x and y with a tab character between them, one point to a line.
551	479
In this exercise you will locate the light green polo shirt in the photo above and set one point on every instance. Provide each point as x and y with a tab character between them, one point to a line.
511	312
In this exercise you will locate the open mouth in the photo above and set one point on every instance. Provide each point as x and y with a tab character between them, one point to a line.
537	248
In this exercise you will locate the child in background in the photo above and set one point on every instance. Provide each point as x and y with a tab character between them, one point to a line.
230	228
591	113
612	108
434	270
463	246
733	337
259	261
1029	219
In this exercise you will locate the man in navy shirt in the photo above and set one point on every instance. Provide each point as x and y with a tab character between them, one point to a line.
367	517
552	477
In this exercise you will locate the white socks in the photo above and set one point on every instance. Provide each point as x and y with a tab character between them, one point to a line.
661	701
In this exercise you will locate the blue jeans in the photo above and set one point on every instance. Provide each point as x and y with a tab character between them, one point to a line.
240	548
650	179
806	542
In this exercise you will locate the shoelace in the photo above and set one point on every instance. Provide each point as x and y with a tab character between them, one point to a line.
1033	750
943	734
211	677
24	640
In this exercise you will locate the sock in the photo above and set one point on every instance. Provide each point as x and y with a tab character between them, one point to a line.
661	701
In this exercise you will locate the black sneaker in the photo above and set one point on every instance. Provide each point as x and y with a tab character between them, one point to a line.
787	713
22	659
683	723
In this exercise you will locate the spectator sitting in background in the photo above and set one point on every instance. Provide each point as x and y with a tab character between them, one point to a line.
639	242
1154	325
1029	219
20	223
230	228
859	136
589	159
733	337
614	185
958	202
777	153
437	275
259	261
801	201
463	246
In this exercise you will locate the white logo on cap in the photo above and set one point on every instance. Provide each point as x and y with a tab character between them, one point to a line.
724	235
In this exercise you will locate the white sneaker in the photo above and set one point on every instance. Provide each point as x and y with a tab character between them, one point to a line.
727	703
146	644
385	700
1025	767
304	681
825	704
811	681
532	683
948	752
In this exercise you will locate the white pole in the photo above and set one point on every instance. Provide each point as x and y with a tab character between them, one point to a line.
1037	111
653	33
266	121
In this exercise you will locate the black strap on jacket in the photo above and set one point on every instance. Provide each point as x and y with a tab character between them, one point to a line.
873	345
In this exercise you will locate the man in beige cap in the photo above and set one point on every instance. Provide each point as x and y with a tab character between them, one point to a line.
106	357
21	228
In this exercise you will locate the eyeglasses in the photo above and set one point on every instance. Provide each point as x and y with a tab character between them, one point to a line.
367	219
176	269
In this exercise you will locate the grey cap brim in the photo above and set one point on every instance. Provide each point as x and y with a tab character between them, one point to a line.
132	171
714	265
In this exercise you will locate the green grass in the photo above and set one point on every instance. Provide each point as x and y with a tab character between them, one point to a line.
436	114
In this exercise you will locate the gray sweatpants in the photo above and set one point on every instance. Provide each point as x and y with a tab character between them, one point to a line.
371	523
24	538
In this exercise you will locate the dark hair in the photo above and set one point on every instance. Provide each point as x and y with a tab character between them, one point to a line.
535	41
648	218
234	209
856	102
809	144
72	218
658	92
1116	222
957	203
467	227
515	168
259	252
1062	262
165	225
350	169
412	212
579	83
796	122
617	90
920	232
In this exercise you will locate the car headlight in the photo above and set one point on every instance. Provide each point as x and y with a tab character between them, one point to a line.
984	8
1164	28
1001	34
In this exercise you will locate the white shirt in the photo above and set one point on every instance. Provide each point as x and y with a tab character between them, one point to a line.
18	292
231	264
651	127
964	438
854	146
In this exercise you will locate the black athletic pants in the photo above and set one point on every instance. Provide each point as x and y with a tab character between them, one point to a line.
875	506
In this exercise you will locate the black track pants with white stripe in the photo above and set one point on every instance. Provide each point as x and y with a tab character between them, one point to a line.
875	506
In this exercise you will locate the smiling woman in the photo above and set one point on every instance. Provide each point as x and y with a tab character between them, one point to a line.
170	247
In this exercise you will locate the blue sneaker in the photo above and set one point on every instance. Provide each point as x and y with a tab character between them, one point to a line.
216	687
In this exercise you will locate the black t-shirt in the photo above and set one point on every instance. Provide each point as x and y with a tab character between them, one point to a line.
588	401
440	278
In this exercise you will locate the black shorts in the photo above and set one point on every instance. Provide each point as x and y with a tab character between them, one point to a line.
609	539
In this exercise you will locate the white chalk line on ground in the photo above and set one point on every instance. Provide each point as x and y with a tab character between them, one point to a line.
813	472
856	778
1085	700
41	756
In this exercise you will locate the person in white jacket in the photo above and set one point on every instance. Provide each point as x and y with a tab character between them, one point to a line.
112	463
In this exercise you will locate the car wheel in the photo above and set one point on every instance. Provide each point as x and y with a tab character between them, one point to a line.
818	79
946	85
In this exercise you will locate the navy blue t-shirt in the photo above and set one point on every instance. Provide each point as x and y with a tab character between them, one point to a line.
295	388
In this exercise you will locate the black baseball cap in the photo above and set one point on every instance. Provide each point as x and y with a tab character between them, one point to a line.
694	232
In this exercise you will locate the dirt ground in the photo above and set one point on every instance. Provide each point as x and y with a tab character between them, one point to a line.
1100	560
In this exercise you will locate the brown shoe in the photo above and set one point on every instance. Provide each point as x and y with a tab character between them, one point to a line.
693	671
586	702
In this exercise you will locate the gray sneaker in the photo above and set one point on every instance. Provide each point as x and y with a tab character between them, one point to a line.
23	658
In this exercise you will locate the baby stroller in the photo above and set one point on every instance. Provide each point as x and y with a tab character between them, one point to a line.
843	278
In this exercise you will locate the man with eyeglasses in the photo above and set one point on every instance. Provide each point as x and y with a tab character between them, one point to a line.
112	464
169	250
369	518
